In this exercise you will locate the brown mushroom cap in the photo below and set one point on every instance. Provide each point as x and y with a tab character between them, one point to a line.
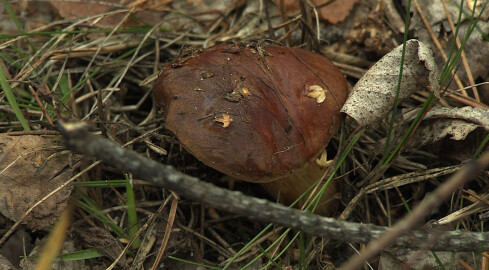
256	114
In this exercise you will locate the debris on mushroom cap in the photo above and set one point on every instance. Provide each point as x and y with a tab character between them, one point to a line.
259	113
225	119
317	92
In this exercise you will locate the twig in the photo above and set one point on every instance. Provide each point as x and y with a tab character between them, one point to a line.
39	102
412	220
166	237
80	140
69	181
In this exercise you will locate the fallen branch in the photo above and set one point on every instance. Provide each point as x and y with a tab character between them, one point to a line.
78	139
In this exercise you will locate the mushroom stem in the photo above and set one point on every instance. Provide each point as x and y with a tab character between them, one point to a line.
293	186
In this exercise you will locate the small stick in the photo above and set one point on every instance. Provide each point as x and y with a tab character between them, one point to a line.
80	140
39	102
411	221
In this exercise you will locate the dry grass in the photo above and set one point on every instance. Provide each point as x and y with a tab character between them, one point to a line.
79	70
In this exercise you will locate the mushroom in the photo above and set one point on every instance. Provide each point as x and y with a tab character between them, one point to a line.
258	114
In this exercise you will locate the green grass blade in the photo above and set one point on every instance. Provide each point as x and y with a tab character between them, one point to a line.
315	201
81	255
12	15
9	94
426	106
7	58
449	64
102	183
194	263
302	251
446	73
132	216
399	79
270	259
279	239
65	88
481	146
258	236
291	242
89	206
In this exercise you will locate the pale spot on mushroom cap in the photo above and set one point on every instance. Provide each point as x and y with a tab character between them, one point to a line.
317	92
225	119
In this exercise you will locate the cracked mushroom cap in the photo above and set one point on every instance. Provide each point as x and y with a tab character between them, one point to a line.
254	113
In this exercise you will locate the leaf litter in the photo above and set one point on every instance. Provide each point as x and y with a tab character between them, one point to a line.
203	23
374	94
30	168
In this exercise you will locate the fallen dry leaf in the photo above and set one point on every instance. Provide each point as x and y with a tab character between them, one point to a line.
445	129
30	168
333	13
441	122
70	9
475	115
374	94
371	34
476	50
81	9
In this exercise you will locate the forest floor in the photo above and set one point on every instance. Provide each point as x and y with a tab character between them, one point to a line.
97	62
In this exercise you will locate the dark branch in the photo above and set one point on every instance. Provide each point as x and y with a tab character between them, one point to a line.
80	140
